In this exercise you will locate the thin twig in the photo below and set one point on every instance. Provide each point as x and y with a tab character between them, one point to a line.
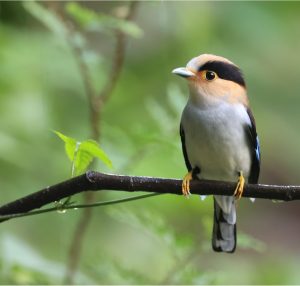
82	224
96	103
77	206
95	181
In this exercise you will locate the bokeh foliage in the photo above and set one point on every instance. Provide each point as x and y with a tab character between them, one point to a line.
165	239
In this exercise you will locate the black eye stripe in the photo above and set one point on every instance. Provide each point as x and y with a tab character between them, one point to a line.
225	71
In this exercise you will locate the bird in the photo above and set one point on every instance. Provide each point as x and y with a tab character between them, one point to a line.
219	137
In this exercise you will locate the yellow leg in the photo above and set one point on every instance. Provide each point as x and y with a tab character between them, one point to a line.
186	184
239	187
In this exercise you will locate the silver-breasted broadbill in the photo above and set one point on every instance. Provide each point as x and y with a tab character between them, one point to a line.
218	135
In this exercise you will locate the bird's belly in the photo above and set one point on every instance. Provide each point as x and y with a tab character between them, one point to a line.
216	143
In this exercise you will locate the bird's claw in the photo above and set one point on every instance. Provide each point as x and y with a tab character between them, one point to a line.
186	184
239	187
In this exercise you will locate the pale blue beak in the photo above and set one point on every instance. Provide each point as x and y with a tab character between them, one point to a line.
184	72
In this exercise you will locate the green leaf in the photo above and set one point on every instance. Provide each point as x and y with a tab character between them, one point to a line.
70	144
92	147
81	154
82	160
90	20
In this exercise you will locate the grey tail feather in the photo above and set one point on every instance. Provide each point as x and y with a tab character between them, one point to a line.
224	233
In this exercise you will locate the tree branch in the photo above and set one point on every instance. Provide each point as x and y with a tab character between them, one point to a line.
94	181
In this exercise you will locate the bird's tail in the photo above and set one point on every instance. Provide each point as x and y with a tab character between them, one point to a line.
224	229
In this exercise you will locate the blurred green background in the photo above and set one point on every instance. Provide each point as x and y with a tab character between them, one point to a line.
165	239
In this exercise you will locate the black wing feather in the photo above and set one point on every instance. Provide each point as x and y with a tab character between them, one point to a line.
252	137
186	159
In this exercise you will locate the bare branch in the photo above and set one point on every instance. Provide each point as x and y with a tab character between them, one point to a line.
94	181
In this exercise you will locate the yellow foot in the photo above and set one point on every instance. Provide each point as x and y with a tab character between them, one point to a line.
186	184
239	187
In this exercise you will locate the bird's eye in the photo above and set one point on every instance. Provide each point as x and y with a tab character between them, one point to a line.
210	75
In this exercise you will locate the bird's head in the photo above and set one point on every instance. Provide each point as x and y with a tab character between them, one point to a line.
214	79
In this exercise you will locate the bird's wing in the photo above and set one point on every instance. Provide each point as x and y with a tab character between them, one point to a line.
253	142
186	159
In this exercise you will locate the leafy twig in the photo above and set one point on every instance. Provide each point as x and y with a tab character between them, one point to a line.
60	25
96	103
